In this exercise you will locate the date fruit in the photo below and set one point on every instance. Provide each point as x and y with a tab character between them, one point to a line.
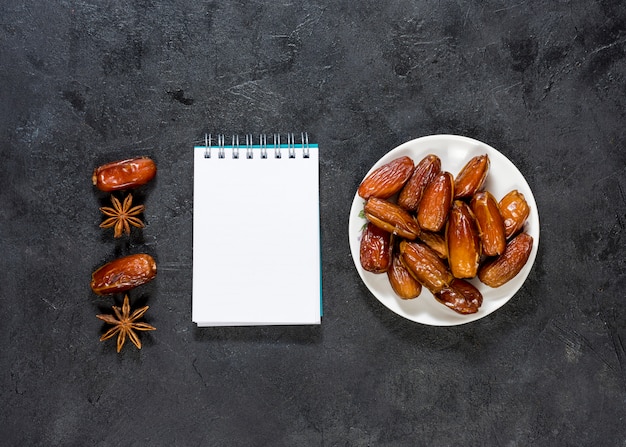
514	210
505	267
375	249
460	296
472	177
463	242
436	242
435	204
390	217
490	223
387	180
425	266
428	229
123	274
124	174
402	283
424	172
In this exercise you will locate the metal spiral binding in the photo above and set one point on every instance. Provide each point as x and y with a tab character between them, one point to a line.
207	145
305	144
249	143
220	144
291	145
263	143
277	145
235	144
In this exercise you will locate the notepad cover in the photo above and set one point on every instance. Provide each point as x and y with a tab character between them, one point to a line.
256	239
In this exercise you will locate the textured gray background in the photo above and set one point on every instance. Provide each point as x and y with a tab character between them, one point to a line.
84	82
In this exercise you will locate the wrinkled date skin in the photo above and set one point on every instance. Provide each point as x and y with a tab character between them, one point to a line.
124	174
425	266
123	274
401	280
390	217
387	179
375	249
424	173
505	267
471	177
436	242
436	201
461	296
490	223
514	210
463	242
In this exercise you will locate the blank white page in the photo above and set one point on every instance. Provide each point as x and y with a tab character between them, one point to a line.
256	238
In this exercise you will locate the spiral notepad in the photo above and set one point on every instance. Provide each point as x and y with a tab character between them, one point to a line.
256	240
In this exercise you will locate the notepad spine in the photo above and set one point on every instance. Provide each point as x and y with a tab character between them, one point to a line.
217	144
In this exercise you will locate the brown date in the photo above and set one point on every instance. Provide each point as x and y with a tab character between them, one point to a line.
124	174
490	223
435	204
375	249
123	274
471	177
505	267
460	296
401	280
425	266
390	217
514	210
387	180
436	242
424	172
463	242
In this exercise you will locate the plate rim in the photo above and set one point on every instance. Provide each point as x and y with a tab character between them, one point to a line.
455	319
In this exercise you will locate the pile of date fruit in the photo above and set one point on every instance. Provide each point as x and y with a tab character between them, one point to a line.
426	228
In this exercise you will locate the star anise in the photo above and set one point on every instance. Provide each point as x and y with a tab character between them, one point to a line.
125	324
122	216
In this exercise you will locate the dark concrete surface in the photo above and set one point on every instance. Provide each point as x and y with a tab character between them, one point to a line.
84	82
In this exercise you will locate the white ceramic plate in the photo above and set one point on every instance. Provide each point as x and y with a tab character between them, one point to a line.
454	152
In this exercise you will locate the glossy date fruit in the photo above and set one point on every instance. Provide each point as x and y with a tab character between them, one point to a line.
471	177
387	179
375	249
123	274
490	223
124	174
460	296
435	242
390	217
514	210
464	249
424	172
401	280
436	201
505	267
425	266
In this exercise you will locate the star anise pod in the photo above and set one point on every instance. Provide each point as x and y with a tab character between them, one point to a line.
122	216
125	324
